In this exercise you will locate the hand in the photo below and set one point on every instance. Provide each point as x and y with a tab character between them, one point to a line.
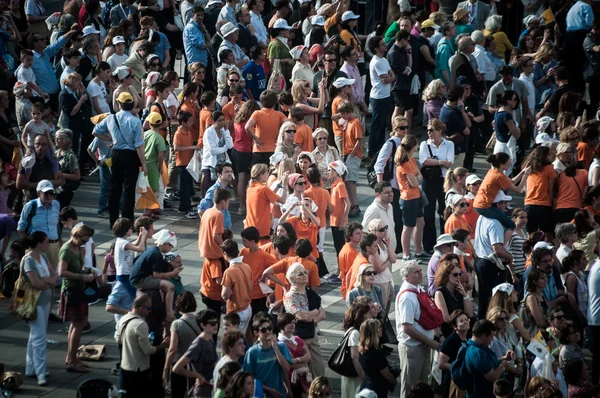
504	364
343	224
515	279
88	277
446	163
461	289
434	345
551	72
145	170
83	98
527	170
176	271
273	340
510	355
470	115
143	231
259	144
252	30
377	307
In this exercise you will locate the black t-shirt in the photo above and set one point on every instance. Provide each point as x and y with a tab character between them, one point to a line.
151	260
6	152
330	79
398	59
427	67
555	97
451	345
159	17
453	302
373	362
41	170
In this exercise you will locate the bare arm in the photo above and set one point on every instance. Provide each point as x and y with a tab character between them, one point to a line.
495	374
354	354
440	302
410	330
536	312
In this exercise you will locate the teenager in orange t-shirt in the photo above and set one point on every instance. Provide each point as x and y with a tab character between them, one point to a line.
339	205
321	198
304	132
456	219
237	284
189	104
307	225
540	189
342	91
352	152
259	198
367	246
352	234
267	122
571	184
234	104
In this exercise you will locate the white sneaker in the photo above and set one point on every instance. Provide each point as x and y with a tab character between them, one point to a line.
42	382
191	215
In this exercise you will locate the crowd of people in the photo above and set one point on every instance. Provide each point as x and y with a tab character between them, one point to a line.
278	107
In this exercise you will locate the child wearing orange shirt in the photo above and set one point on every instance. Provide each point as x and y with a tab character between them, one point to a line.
307	225
259	260
259	198
184	150
352	152
456	220
235	103
267	122
303	131
342	91
189	104
321	198
367	246
339	204
352	234
208	101
237	284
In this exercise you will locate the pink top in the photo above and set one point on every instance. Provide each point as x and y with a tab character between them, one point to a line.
242	141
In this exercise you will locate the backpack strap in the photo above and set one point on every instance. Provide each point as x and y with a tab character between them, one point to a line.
32	213
190	326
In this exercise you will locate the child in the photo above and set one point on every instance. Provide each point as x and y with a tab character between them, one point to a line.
162	91
109	270
184	150
68	219
254	73
352	152
235	103
237	284
502	389
303	131
215	144
321	199
208	102
100	151
25	75
36	126
267	122
339	204
225	375
72	59
119	56
154	150
146	223
285	101
123	228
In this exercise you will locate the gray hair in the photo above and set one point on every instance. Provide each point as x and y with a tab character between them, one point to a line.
463	40
407	268
477	37
68	134
432	90
562	231
493	23
65	22
88	42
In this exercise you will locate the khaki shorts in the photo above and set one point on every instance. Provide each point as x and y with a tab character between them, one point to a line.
353	165
52	253
146	283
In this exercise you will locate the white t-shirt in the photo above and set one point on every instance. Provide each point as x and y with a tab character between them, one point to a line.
123	258
171	101
562	252
63	75
408	310
25	75
116	60
89	246
95	90
377	67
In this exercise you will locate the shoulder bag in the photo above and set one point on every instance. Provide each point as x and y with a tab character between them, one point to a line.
388	171
341	359
24	299
431	173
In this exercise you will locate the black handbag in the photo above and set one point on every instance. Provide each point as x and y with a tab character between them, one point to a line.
389	170
388	334
431	173
341	359
306	330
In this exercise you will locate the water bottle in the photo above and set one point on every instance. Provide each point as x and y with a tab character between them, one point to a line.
151	338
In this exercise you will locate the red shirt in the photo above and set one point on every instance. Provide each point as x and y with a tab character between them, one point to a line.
242	140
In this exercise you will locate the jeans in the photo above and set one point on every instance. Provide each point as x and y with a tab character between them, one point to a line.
381	116
489	276
185	182
105	178
125	170
435	195
496	214
35	363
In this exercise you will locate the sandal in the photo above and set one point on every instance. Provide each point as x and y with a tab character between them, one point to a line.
78	368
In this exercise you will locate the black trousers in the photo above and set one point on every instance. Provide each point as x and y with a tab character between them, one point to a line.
125	169
157	365
539	218
338	239
178	385
259	305
489	276
398	224
435	196
134	384
560	216
574	58
216	306
261	157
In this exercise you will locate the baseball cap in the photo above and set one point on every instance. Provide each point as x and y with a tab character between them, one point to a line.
317	20
118	39
343	81
541	138
125	98
122	72
428	23
472	179
44	186
154	118
502	197
349	15
279	24
90	30
543	245
296	52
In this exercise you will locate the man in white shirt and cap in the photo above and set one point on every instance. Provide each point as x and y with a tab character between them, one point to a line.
230	35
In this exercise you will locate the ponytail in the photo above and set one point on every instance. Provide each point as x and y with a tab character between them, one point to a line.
403	153
498	159
33	239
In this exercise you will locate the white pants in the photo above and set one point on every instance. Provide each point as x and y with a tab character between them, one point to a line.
245	317
160	193
510	148
35	363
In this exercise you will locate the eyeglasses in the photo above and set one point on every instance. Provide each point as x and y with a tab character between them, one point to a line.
403	128
502	319
49	193
301	183
558	317
302	273
462	204
265	330
234	80
383	229
370	273
290	131
329	60
455	274
321	138
212	323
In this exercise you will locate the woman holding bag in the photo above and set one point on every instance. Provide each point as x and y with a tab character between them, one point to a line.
36	270
355	316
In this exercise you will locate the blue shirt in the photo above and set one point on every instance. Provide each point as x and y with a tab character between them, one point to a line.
262	364
207	203
554	284
502	132
43	69
44	220
480	360
162	46
256	81
580	17
128	136
3	37
193	41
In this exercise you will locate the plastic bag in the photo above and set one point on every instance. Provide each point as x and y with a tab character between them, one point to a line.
195	166
144	196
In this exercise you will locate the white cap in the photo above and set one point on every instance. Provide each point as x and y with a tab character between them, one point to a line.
152	78
281	24
296	52
543	245
211	2
472	179
542	124
118	39
122	72
349	15
502	197
343	81
455	199
165	236
541	138
228	29
339	167
507	288
317	20
44	186
530	19
276	158
90	30
444	239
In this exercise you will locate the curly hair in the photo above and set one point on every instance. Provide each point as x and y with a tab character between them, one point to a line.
445	268
538	159
355	315
229	340
433	89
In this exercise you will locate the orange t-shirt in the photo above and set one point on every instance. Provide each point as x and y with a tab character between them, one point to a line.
351	276
338	130
188	106
492	183
471	216
304	138
331	21
229	110
455	222
321	198
258	206
239	278
258	261
212	269
268	248
407	192
345	260
537	187
210	224
205	122
338	194
571	189
267	122
282	266
352	134
306	231
585	154
183	138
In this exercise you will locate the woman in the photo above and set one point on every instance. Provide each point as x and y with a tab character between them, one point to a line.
300	213
73	305
148	94
324	154
570	337
382	262
544	69
365	286
241	386
540	192
189	103
226	373
299	353
455	183
532	309
455	215
183	332
449	351
301	92
516	241
506	130
373	360
302	302
108	46
317	47
577	376
302	69
320	387
223	74
281	166
503	345
434	97
570	187
100	89
461	21
286	141
350	38
493	27
307	11
126	80
197	74
505	296
409	177
36	16
94	9
471	216
591	199
450	294
216	142
68	165
172	102
37	270
588	233
279	49
527	45
573	277
241	153
75	110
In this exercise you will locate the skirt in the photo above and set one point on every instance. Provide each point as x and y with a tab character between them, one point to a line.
71	308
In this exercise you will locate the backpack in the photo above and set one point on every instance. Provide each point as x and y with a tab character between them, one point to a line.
161	110
431	316
388	171
458	369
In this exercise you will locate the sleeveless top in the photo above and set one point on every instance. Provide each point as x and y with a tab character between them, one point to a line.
385	276
582	291
453	302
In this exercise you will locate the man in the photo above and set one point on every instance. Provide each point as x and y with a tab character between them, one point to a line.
508	82
444	51
491	254
382	76
230	37
426	50
209	243
137	63
269	360
195	38
125	131
224	178
215	43
89	58
482	362
233	349
227	13
561	78
580	19
316	21
132	334
485	66
211	14
28	178
478	12
124	11
237	284
415	342
473	109
461	65
256	7
247	33
350	68
400	60
591	46
381	208
542	258
443	245
457	123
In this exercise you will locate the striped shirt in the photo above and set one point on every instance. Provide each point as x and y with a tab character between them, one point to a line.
515	247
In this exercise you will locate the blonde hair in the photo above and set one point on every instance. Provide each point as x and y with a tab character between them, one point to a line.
432	90
404	152
437	124
360	281
67	81
450	179
369	340
494	313
543	52
258	170
438	17
396	122
286	164
373	225
298	91
502	300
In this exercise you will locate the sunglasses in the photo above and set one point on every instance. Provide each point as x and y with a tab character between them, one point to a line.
402	128
370	273
383	229
265	330
155	64
301	183
329	60
321	138
455	274
290	131
503	319
147	308
49	193
462	204
212	323
234	81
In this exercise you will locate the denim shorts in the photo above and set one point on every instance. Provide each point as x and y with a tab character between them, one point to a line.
411	210
120	297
